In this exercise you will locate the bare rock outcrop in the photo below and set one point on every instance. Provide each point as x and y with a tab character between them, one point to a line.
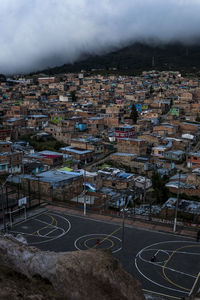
91	274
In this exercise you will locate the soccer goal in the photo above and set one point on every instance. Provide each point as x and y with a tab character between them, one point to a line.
16	214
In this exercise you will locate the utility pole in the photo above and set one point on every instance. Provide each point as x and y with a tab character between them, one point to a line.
123	218
177	201
145	184
39	189
3	209
84	209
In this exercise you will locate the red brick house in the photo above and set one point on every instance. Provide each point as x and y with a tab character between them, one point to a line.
124	131
193	160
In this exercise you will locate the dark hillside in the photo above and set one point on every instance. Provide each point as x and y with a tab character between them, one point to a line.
137	57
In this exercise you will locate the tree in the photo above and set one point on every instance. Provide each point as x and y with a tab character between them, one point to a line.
73	95
161	193
134	114
2	78
151	90
197	117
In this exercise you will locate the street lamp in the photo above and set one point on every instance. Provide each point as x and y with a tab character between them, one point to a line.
177	200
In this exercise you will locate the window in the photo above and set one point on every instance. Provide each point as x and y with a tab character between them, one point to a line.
194	157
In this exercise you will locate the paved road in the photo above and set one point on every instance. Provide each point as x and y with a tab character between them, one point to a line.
173	270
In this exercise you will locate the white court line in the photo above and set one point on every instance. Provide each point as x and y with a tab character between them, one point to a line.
158	250
52	231
46	235
161	294
152	281
46	224
133	226
48	239
96	234
167	268
59	236
29	218
30	234
180	252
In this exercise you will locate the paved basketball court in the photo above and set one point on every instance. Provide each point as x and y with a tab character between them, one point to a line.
164	263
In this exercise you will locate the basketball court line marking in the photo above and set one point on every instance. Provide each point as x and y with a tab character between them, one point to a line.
157	251
85	243
97	235
167	268
46	235
152	281
48	224
29	234
58	236
126	225
169	250
110	235
164	267
194	285
48	239
161	294
31	218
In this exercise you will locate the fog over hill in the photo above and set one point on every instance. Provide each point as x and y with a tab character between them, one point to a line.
134	59
38	34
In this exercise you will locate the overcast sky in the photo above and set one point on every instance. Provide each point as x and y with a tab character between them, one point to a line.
35	34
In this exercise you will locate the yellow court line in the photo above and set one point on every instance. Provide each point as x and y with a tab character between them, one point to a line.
46	226
24	221
163	268
160	294
85	243
194	285
56	221
107	237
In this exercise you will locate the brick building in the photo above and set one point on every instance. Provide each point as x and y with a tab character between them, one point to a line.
95	125
165	129
38	122
10	162
131	145
54	185
50	158
124	131
193	160
47	80
84	156
5	146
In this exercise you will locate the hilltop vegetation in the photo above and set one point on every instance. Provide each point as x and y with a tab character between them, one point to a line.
134	59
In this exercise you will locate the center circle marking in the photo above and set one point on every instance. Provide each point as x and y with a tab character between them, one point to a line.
139	257
115	240
86	241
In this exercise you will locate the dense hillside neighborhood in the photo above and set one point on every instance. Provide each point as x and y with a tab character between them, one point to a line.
111	142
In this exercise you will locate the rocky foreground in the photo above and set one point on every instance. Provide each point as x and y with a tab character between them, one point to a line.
28	273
